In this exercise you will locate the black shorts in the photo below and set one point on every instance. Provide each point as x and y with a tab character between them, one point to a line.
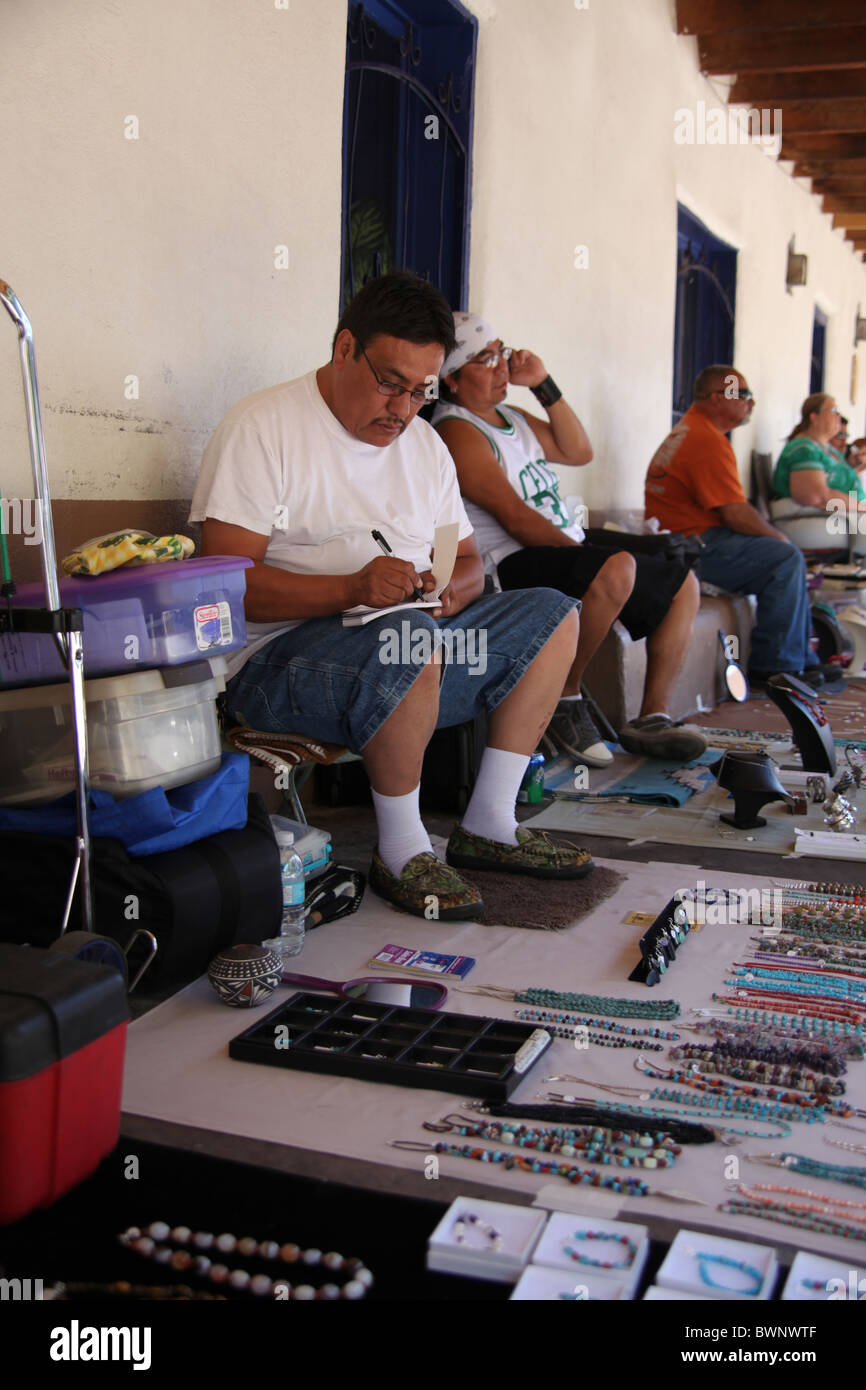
572	568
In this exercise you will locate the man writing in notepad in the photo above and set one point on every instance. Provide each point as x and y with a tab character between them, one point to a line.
297	477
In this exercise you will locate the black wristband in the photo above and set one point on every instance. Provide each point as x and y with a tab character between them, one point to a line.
547	393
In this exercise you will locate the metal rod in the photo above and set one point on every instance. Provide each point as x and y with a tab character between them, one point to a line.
71	649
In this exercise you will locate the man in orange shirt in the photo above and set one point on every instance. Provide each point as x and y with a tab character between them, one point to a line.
693	486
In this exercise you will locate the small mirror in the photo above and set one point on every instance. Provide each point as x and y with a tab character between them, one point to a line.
735	677
414	994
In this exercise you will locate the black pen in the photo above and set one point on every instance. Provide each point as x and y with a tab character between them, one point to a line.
386	550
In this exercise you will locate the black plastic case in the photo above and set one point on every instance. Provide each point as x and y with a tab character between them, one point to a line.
380	1042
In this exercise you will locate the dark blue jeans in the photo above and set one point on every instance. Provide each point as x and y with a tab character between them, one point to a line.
775	573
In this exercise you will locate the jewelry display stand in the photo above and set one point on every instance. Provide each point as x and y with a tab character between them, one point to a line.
718	1268
485	1240
381	1042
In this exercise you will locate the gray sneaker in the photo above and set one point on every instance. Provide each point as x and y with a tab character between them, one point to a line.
657	736
572	730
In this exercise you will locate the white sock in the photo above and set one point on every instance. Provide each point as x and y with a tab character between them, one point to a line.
491	808
401	830
565	699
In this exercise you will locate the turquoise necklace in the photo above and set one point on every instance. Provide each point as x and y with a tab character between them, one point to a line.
814	1168
666	1009
646	1112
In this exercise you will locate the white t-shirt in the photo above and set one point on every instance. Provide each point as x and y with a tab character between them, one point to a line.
282	465
518	453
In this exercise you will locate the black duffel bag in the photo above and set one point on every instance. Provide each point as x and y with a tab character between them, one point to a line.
669	545
195	900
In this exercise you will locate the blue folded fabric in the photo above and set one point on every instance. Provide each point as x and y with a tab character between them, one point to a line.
153	821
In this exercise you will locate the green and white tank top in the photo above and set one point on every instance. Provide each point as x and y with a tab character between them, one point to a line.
518	453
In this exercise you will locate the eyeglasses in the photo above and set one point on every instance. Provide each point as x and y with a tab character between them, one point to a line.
491	359
741	394
392	388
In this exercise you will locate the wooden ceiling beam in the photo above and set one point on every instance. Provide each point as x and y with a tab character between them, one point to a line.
845	116
856	188
834	203
851	221
721	16
772	88
840	171
773	50
827	145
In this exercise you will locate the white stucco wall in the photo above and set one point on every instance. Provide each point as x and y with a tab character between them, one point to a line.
574	144
155	257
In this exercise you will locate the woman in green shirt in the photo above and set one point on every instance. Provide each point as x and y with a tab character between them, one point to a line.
809	469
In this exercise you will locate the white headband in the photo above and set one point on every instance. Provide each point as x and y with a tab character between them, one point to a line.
472	333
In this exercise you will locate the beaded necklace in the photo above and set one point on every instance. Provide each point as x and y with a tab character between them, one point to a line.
626	1148
700	1082
633	1187
814	1168
663	1009
822	1206
575	1031
788	1216
646	1112
733	1060
802	1018
817	1052
149	1244
581	1259
800	1003
581	1021
836	985
726	1101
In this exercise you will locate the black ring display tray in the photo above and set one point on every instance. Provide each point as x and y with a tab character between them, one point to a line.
384	1042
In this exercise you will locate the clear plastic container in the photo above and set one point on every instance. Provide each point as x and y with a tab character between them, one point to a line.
314	846
154	728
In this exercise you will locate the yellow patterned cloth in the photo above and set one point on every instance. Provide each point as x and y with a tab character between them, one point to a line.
125	548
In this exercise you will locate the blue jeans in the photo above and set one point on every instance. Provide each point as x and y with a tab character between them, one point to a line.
341	683
775	573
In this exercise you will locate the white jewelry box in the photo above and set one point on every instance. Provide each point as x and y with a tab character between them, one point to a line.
540	1284
608	1244
837	1282
708	1265
460	1245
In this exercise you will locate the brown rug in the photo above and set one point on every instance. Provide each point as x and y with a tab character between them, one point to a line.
541	904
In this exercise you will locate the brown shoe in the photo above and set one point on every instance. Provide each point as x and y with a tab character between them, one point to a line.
534	854
427	888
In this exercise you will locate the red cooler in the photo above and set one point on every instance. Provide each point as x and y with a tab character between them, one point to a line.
62	1038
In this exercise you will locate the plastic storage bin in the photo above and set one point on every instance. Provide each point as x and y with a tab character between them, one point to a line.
154	728
62	1039
137	619
314	846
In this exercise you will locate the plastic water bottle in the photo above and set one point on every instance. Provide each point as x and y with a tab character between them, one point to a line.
290	941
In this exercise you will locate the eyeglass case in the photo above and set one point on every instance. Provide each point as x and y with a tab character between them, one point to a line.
62	1039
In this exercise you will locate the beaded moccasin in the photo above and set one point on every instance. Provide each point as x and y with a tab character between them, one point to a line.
535	854
425	882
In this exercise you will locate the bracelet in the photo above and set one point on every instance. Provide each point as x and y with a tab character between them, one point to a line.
630	1250
547	393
